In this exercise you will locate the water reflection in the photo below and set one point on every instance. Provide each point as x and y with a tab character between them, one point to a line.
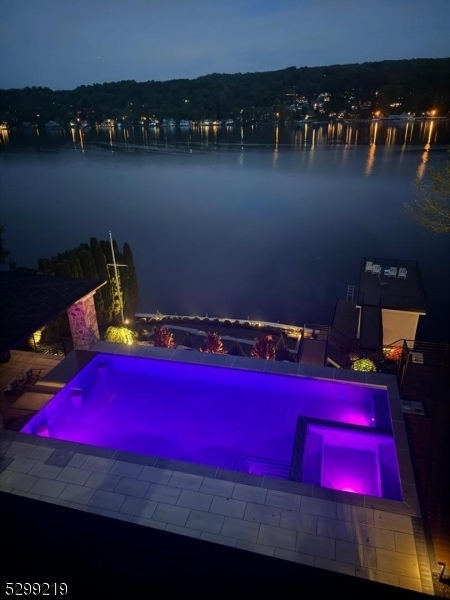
275	150
370	159
311	150
327	179
5	137
303	136
422	167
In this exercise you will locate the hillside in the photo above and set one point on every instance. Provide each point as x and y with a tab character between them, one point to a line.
418	85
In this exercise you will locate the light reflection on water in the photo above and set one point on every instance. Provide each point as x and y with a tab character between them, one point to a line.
231	221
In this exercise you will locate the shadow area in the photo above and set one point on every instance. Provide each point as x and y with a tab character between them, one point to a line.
95	555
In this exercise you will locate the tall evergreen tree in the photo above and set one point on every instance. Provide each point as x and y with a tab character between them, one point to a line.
187	341
90	261
129	283
116	286
236	350
3	252
281	350
102	270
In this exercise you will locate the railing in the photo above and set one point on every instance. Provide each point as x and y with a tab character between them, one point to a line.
428	353
60	346
340	347
405	302
395	302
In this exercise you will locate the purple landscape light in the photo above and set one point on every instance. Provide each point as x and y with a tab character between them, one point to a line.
228	418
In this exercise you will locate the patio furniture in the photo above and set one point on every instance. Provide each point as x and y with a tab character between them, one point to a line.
10	386
392	272
369	266
402	273
376	269
18	384
32	375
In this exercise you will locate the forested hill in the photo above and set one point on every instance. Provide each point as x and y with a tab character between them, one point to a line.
396	86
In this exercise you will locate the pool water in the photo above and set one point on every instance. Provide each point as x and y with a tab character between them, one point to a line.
228	418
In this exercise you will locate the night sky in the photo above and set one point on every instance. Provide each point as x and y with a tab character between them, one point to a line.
62	44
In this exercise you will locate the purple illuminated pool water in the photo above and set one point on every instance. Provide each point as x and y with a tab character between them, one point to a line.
228	418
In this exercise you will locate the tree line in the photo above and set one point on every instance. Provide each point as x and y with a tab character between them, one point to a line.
416	85
93	261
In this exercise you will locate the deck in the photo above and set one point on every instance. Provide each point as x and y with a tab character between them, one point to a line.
391	292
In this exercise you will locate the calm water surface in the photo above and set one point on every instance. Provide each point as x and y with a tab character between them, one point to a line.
267	223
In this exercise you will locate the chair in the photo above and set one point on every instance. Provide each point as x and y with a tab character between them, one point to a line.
369	266
376	269
31	375
402	272
392	272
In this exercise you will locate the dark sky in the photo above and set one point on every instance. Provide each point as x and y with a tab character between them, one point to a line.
62	44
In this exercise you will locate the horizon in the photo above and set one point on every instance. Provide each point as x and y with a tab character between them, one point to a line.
61	48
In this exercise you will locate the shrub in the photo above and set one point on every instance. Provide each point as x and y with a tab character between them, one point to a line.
264	348
120	335
163	338
212	344
364	364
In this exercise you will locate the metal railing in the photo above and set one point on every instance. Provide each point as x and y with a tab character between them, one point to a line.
393	301
60	346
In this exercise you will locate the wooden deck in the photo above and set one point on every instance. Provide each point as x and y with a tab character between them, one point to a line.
17	408
391	292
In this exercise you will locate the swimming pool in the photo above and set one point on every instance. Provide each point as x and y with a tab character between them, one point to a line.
229	418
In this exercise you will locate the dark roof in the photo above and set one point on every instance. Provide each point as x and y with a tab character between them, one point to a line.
29	301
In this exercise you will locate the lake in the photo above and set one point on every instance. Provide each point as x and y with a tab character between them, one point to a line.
261	222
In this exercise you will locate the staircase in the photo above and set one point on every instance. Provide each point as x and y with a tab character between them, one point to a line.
340	348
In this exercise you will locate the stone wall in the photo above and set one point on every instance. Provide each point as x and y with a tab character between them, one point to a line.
83	323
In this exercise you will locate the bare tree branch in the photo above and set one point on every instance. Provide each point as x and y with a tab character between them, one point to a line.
431	207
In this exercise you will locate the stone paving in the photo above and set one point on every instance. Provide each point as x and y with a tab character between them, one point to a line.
356	540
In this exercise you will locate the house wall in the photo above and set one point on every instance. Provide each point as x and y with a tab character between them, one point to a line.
83	323
399	325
